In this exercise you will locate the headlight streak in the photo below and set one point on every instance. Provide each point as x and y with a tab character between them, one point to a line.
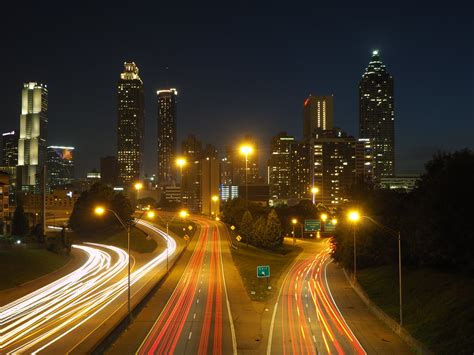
57	309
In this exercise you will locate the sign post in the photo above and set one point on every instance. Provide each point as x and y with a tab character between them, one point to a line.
312	225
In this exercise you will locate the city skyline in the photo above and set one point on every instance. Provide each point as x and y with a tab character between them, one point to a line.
262	102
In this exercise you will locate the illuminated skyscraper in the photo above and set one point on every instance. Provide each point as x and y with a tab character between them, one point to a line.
317	114
130	124
376	115
9	149
33	134
60	162
279	166
166	174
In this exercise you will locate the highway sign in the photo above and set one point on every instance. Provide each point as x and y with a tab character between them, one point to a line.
186	237
263	271
312	225
239	238
329	226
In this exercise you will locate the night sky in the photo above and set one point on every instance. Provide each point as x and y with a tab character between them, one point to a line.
241	69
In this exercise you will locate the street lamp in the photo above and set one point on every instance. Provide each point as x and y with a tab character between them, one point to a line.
100	211
138	186
181	162
314	191
354	217
396	234
246	150
182	214
294	221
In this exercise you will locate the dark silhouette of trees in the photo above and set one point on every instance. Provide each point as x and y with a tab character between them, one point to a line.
20	225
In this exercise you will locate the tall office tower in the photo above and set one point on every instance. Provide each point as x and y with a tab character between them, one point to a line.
227	168
166	174
238	162
9	149
33	135
109	170
376	115
300	173
364	161
318	114
130	124
60	162
191	149
279	166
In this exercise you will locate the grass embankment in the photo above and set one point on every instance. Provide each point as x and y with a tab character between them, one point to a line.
438	308
21	265
118	237
246	259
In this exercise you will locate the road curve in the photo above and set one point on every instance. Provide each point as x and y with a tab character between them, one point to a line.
59	316
306	318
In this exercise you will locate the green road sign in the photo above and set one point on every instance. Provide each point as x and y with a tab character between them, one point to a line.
263	271
329	226
312	225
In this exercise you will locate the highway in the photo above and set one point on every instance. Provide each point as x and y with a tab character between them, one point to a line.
60	316
306	318
197	318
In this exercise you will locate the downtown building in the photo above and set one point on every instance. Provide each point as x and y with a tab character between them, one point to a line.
318	114
376	115
9	159
167	136
32	137
192	151
279	167
130	124
60	163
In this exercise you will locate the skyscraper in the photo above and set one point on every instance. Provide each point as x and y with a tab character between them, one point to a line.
318	114
191	182
33	135
60	162
376	115
166	136
130	124
9	149
279	166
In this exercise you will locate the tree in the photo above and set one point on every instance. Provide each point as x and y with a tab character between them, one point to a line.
246	226
273	237
82	217
258	233
20	222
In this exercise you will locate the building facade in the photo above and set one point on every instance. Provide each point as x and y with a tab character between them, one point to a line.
9	149
318	113
167	136
279	166
32	136
191	149
377	115
60	162
5	213
300	174
109	171
130	124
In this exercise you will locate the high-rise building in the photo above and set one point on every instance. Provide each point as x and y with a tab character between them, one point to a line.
60	162
376	115
5	213
191	183
33	135
130	124
210	186
279	166
166	173
300	174
9	149
364	160
109	170
318	114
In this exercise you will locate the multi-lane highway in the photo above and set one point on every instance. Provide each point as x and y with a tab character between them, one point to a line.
60	316
306	318
197	317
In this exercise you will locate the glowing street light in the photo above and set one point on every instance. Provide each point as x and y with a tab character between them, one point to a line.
334	221
246	149
324	217
138	186
354	217
294	221
99	210
314	191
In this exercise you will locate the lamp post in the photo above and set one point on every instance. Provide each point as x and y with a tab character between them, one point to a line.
214	199
99	210
314	191
138	186
354	217
294	221
395	234
181	162
324	217
183	214
246	150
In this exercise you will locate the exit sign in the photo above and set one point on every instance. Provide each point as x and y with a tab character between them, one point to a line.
263	271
